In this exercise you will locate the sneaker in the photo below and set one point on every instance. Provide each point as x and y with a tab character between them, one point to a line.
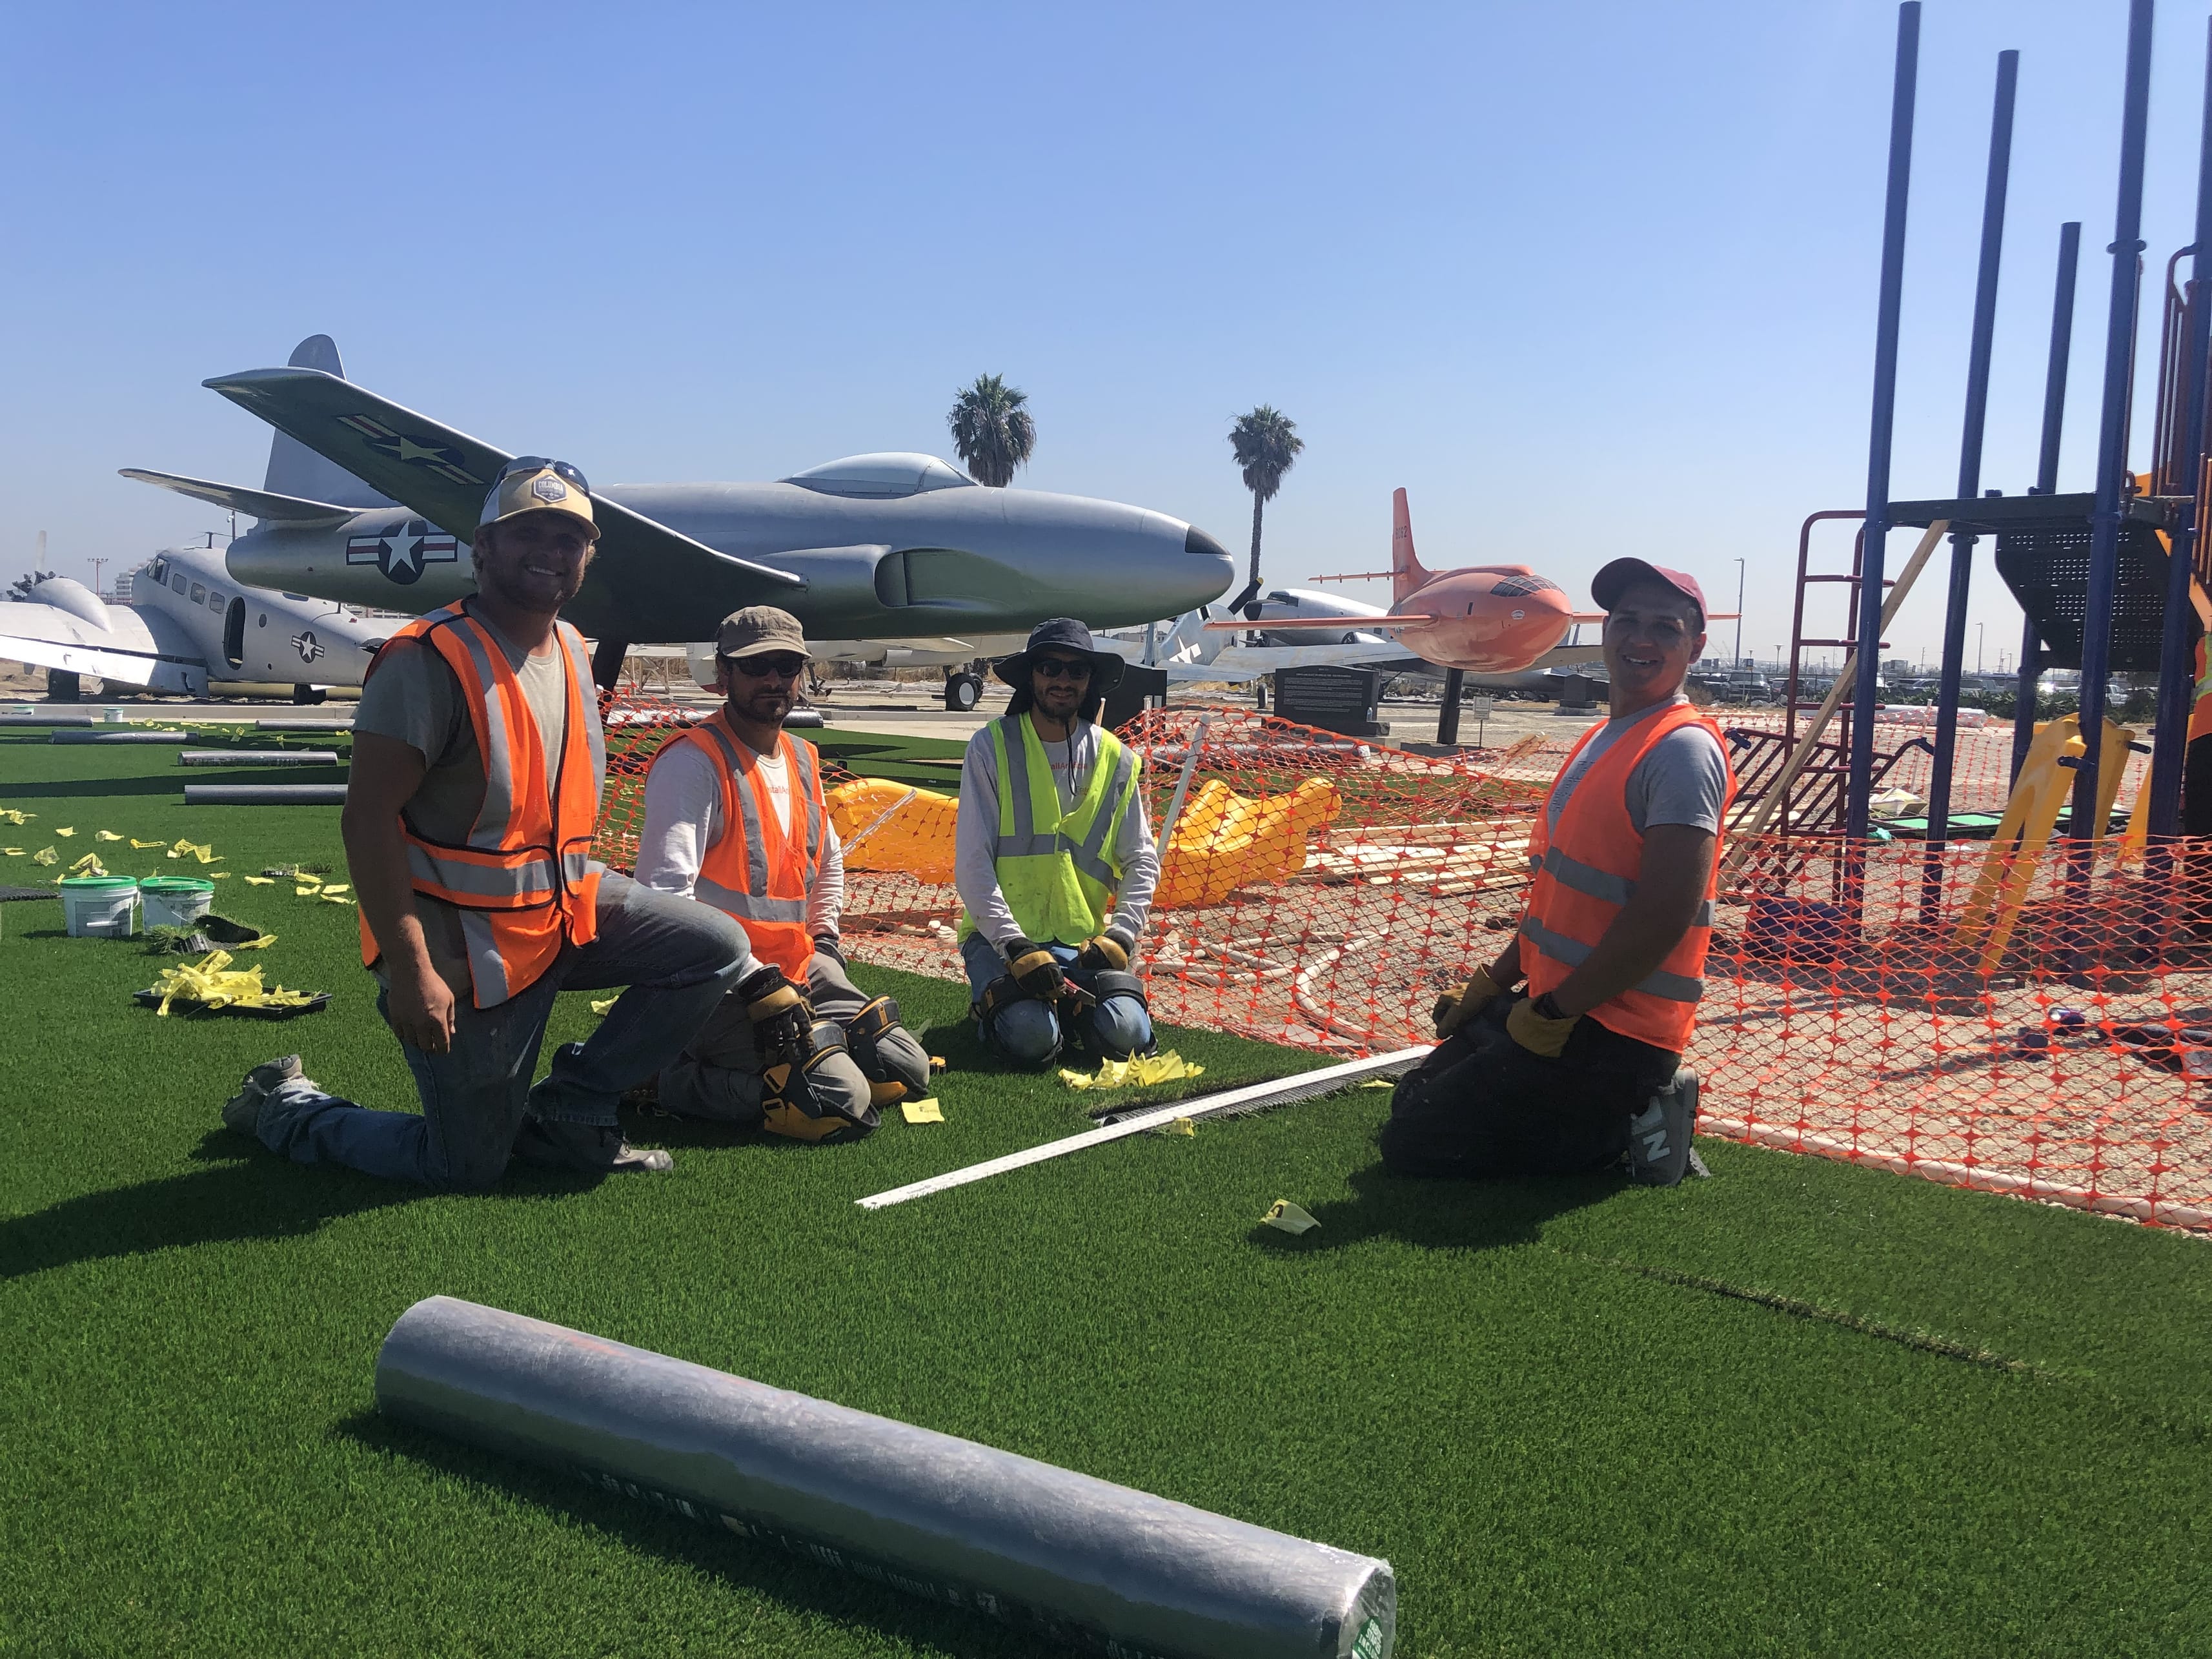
241	1113
591	1148
1659	1151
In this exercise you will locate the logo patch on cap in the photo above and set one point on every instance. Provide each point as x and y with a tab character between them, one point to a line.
547	488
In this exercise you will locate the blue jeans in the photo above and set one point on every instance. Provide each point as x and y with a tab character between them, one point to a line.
677	957
1028	1032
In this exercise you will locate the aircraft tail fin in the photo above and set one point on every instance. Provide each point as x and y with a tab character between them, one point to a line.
296	471
1407	576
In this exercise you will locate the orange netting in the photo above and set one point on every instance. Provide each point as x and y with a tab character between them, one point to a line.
2051	1039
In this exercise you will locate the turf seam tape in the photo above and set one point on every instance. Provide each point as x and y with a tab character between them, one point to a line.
1253	1097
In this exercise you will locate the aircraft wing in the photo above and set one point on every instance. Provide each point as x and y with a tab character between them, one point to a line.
1239	662
443	474
47	637
1340	624
287	510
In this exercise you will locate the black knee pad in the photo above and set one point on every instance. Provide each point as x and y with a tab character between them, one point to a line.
1112	983
1001	994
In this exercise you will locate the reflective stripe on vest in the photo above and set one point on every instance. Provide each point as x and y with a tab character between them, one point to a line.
1588	871
524	880
754	872
1057	872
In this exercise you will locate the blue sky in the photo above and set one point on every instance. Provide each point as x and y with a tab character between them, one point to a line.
1585	279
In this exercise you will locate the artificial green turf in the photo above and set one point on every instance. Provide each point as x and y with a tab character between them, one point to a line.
1956	1423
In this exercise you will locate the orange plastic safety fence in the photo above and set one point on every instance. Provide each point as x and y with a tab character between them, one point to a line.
2031	1021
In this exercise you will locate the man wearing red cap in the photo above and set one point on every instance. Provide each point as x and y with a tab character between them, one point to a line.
1582	1064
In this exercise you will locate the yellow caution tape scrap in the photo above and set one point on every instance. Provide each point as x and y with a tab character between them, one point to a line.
1286	1215
138	846
65	832
212	982
1134	1072
333	892
261	881
11	852
334	898
218	875
46	855
204	851
105	834
15	815
921	1111
89	865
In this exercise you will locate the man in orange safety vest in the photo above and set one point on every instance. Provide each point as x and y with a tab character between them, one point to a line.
478	763
1584	1064
734	817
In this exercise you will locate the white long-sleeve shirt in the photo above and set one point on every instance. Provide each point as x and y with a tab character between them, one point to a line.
684	819
975	871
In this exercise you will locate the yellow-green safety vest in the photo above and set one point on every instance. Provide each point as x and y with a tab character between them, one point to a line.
1057	873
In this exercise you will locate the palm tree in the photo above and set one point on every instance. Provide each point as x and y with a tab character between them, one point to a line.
991	430
1266	443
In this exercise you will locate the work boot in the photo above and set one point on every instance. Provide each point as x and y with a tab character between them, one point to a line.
241	1113
587	1148
1659	1152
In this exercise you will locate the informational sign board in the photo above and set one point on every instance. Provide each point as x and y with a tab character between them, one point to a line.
1334	699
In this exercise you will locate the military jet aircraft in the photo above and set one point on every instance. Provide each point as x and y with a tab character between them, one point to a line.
189	623
374	504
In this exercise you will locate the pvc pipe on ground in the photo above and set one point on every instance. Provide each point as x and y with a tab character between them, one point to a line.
264	794
256	757
295	723
1069	1558
134	734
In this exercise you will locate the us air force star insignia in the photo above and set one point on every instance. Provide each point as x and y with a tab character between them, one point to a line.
307	646
547	488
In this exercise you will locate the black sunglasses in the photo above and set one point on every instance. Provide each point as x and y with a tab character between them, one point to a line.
1061	668
560	469
786	668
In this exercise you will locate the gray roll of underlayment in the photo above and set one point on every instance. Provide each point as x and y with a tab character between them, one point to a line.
264	794
337	728
130	734
256	757
1071	1558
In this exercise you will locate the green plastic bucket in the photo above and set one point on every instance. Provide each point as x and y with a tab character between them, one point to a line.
176	901
98	907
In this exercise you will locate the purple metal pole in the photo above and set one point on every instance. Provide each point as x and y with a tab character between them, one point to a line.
2030	667
1970	480
2176	673
1859	781
2111	438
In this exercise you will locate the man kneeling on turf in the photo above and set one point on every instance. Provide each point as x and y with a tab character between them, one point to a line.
734	815
477	764
1585	1065
1053	861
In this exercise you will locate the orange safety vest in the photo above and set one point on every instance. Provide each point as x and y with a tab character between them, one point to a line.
754	871
524	882
1584	874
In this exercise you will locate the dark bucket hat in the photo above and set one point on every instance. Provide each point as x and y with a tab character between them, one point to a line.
1063	633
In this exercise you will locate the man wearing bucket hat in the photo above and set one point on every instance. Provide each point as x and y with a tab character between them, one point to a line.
477	765
1584	1064
1054	860
734	817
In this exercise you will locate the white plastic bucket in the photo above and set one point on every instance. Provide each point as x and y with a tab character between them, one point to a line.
176	901
100	907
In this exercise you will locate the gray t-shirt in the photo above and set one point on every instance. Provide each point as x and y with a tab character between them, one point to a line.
414	696
1684	780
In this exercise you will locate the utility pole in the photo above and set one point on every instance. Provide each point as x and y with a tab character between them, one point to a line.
95	564
1978	627
1739	614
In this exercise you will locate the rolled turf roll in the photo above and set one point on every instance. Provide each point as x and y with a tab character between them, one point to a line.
1071	1558
264	794
256	757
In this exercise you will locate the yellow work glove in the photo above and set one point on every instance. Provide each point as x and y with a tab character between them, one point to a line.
1454	1009
1110	950
1535	1032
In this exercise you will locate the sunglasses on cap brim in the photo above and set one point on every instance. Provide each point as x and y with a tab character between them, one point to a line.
560	469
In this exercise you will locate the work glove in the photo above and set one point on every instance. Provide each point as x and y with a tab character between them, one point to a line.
781	1020
1035	969
1110	949
1454	1009
1540	1033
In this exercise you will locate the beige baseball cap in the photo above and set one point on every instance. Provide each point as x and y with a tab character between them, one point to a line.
531	483
759	629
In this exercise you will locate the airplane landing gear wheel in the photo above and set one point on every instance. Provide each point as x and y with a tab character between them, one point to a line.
308	695
63	686
962	692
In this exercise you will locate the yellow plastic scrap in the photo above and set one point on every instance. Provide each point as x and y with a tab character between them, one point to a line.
1135	1072
218	875
212	982
204	851
1289	1216
46	855
65	832
11	852
105	834
1181	1126
261	881
600	1008
334	892
89	865
15	815
921	1111
138	846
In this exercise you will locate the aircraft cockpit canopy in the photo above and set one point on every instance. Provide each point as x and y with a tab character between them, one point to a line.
882	477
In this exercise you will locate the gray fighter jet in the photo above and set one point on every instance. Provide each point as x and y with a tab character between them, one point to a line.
372	504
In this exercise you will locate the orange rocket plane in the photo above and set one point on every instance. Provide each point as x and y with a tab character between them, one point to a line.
1484	618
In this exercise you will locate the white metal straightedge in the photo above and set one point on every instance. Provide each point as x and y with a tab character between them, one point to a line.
1257	1094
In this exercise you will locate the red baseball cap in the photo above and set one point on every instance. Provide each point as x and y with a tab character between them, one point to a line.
1606	586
